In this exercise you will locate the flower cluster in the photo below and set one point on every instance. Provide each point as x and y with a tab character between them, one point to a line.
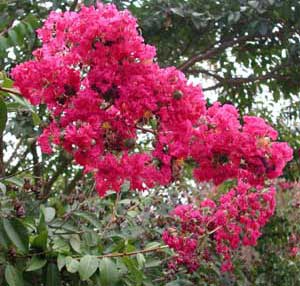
224	149
294	244
98	79
232	220
123	118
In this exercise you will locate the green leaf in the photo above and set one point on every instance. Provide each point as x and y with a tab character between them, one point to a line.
72	264
12	106
53	275
4	240
141	260
87	266
125	187
49	213
61	261
7	82
41	222
36	119
40	241
3	188
180	282
20	30
90	218
13	277
153	263
153	244
125	202
17	233
23	102
3	43
60	245
133	271
36	263
15	181
109	274
254	4
132	214
90	239
3	115
32	20
75	243
13	37
178	11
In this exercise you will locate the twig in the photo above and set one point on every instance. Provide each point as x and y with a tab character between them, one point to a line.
222	45
214	230
237	81
108	106
16	167
146	130
69	214
37	171
116	254
210	52
13	154
213	87
18	173
133	253
114	214
10	90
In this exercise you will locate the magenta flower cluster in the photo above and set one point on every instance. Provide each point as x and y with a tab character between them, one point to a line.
222	225
107	97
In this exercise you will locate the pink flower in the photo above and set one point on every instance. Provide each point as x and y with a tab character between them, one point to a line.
294	251
125	119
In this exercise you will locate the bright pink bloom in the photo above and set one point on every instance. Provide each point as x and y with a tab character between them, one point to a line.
107	96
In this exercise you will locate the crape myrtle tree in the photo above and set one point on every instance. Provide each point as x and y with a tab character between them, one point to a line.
139	181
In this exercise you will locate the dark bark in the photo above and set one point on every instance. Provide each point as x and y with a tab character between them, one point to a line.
37	167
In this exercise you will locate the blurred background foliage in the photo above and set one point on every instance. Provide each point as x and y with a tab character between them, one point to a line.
243	52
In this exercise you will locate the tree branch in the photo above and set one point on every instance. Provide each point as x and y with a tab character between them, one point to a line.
146	130
237	81
132	253
222	45
17	173
37	172
206	72
15	168
13	154
10	90
212	51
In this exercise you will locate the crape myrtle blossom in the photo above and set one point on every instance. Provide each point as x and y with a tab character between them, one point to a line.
235	219
102	88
